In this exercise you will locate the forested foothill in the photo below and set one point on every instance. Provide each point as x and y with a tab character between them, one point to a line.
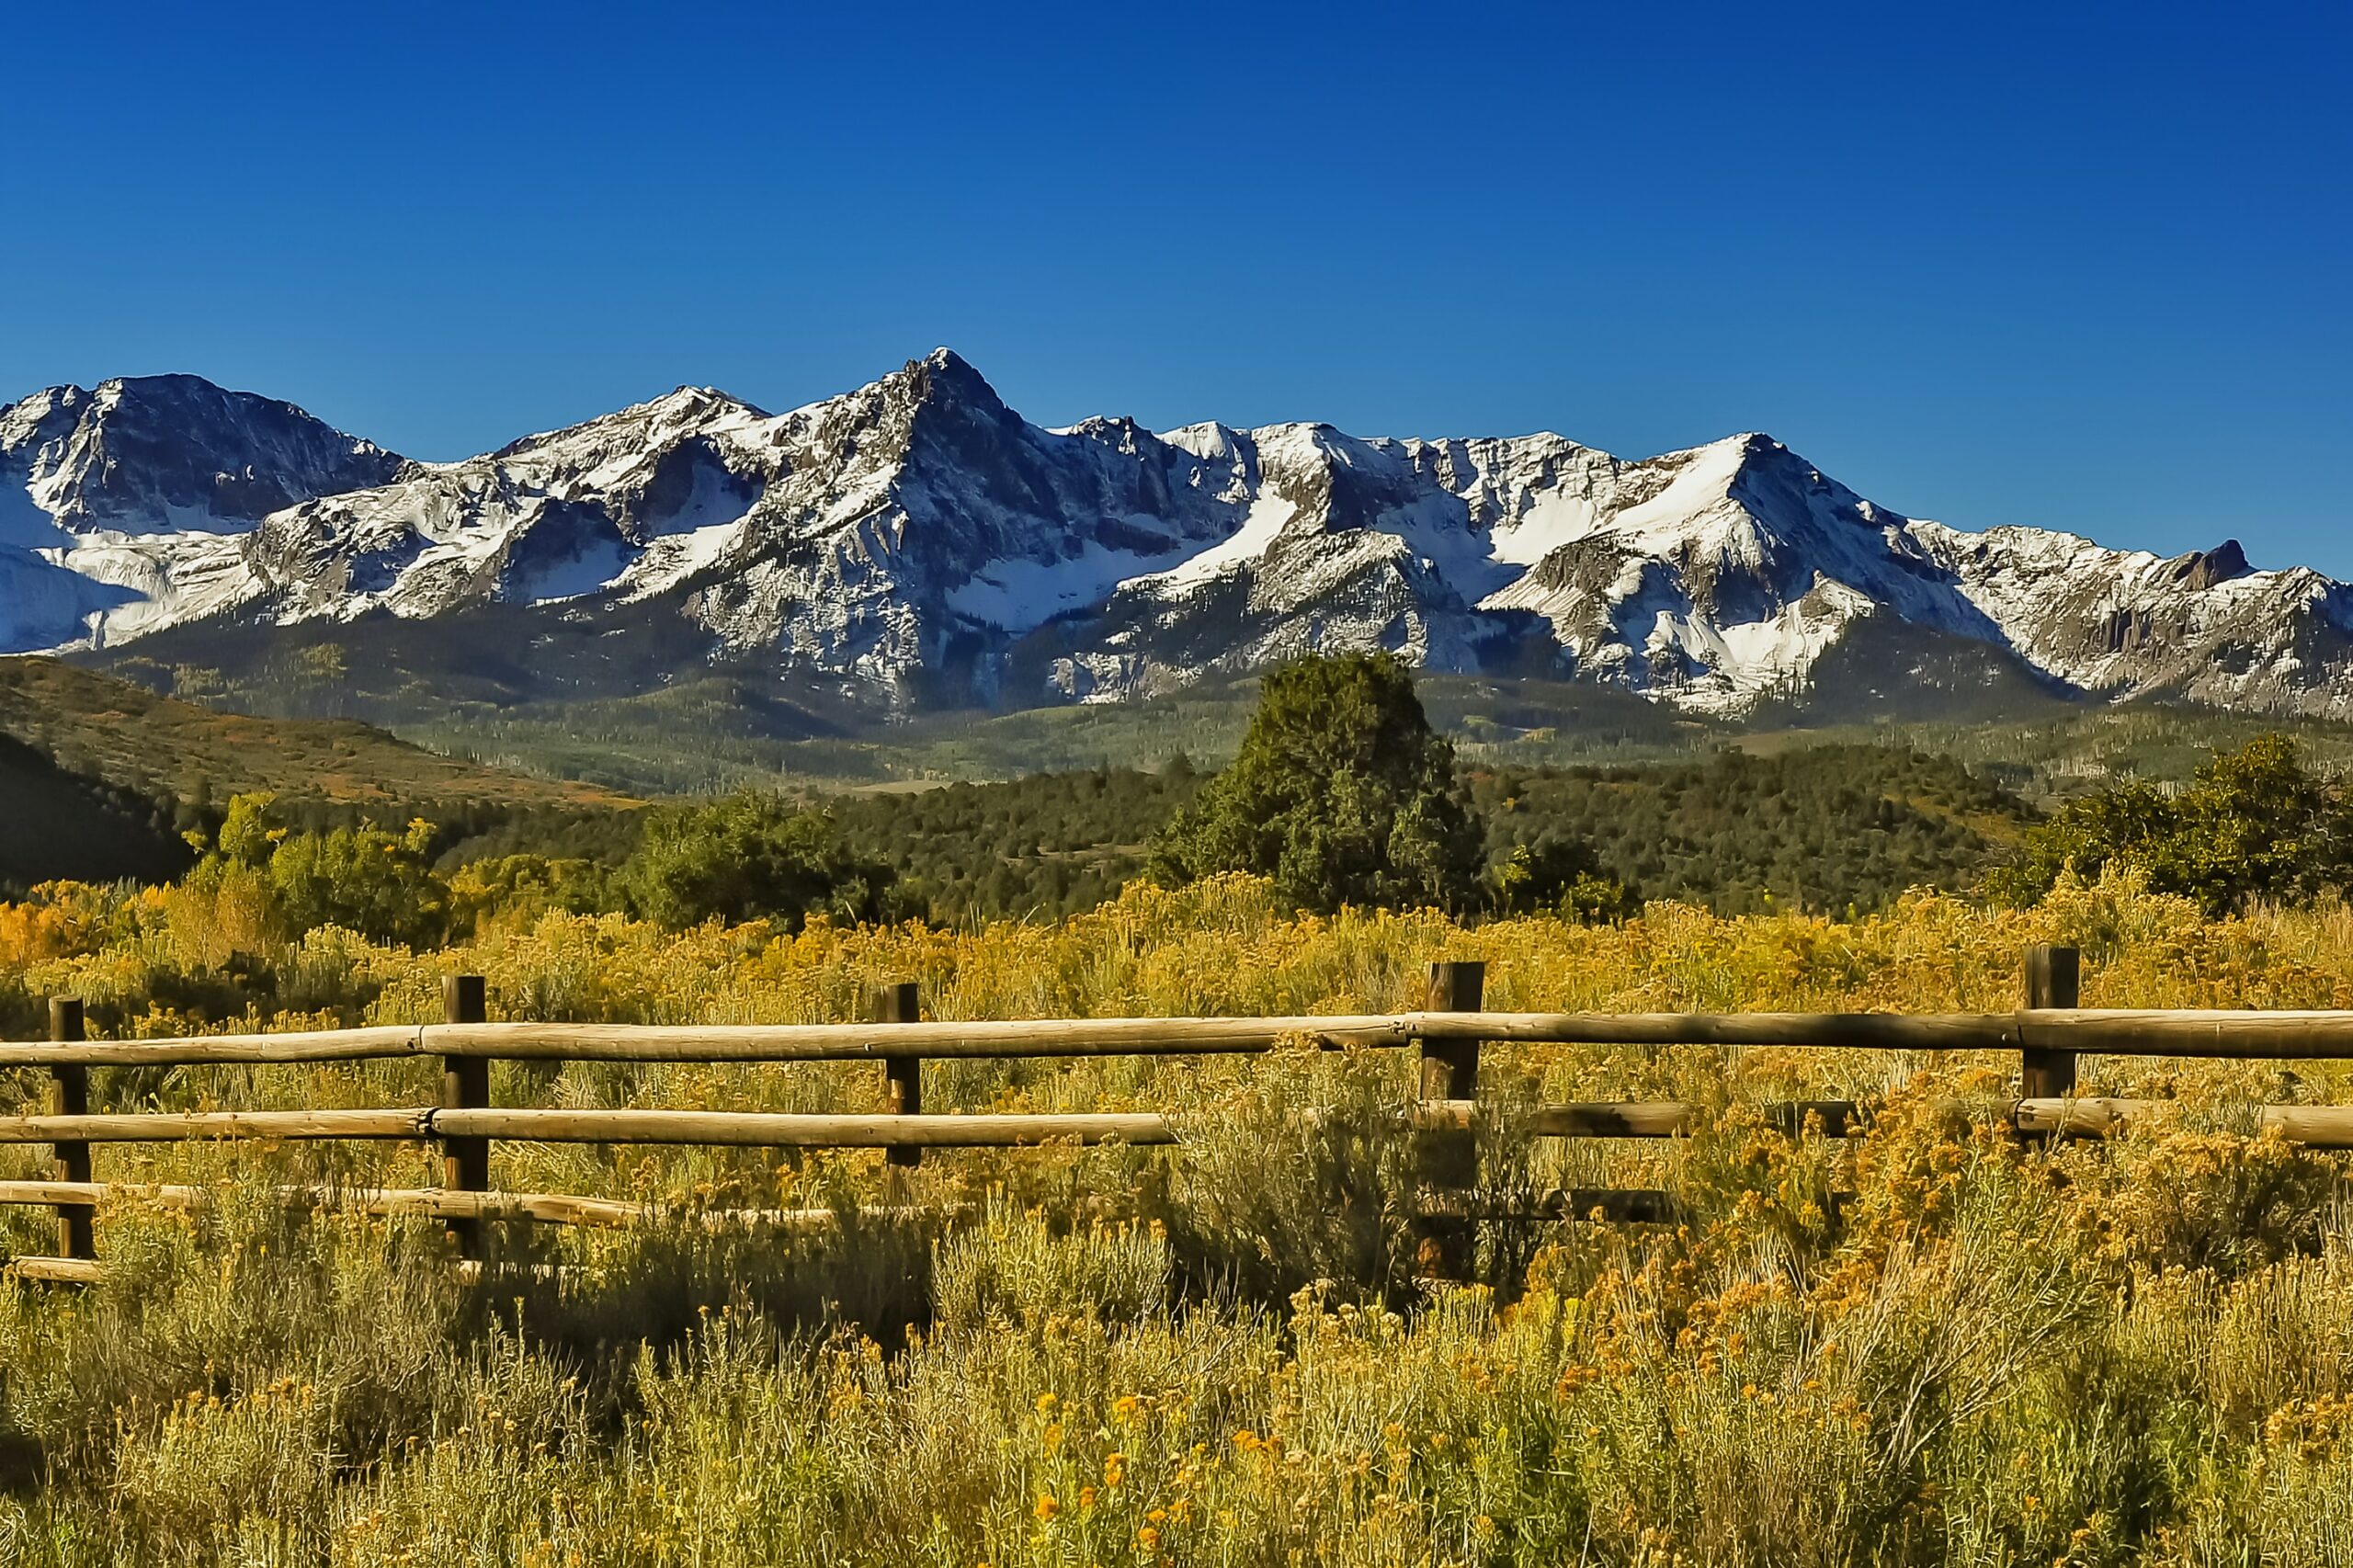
1342	792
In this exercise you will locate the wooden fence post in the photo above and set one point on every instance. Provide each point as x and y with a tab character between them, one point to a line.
2054	979
69	1094
1450	1067
465	1086
902	1075
1450	1159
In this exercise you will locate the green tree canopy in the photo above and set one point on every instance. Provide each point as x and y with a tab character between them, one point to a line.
1342	794
1561	876
750	856
2253	824
362	878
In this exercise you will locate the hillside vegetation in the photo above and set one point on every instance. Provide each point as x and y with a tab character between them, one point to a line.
1922	1344
112	773
101	778
1928	1342
1826	827
1821	828
1043	847
2082	749
166	750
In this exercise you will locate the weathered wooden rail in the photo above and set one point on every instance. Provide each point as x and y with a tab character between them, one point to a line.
2048	1034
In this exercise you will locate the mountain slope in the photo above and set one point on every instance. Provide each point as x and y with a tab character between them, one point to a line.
131	741
867	539
916	543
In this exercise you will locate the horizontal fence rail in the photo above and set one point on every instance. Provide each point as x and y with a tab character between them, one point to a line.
439	1203
2049	1036
2314	1126
2245	1035
772	1130
183	1127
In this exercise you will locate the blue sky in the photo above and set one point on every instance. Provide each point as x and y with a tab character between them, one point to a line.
2080	267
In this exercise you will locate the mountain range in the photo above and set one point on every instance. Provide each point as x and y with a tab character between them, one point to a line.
917	544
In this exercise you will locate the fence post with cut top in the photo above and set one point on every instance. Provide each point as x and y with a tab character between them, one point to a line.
2054	979
69	1094
1450	1067
902	1075
465	1086
1450	1157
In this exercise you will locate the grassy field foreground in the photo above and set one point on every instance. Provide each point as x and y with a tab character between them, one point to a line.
1928	1343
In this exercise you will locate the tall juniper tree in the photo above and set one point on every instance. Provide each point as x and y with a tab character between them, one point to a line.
1342	794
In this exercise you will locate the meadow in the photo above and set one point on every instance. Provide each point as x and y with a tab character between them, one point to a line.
1930	1342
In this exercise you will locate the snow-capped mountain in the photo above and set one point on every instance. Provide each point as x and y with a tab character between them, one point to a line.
917	538
121	509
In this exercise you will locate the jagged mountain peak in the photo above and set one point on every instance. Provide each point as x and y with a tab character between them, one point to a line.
686	408
200	408
944	379
174	454
692	403
2206	568
948	362
169	384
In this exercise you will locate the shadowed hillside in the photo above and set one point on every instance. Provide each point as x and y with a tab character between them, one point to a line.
57	825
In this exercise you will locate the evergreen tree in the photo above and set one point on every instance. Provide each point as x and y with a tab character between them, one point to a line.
1558	876
750	856
1342	794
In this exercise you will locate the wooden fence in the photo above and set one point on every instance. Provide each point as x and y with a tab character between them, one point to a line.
2048	1033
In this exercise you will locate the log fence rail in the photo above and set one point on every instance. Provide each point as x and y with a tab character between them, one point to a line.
2049	1034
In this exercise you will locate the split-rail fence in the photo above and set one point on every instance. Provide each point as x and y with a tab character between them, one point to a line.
2048	1034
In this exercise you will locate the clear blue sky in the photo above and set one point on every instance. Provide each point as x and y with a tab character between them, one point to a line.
2078	266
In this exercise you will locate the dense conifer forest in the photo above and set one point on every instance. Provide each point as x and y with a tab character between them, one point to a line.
1822	828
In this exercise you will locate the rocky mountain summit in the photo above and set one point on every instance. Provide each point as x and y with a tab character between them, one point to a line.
117	505
919	541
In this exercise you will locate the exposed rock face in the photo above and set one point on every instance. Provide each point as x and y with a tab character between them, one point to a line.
917	539
119	507
163	454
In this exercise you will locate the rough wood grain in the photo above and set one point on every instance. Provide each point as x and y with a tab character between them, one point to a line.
172	1127
58	1270
306	1045
69	1094
442	1203
780	1130
2054	979
2314	1126
2274	1036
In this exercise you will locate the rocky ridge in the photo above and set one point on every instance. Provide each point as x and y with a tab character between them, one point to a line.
918	541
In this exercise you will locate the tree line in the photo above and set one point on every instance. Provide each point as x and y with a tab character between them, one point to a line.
1341	794
2254	824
